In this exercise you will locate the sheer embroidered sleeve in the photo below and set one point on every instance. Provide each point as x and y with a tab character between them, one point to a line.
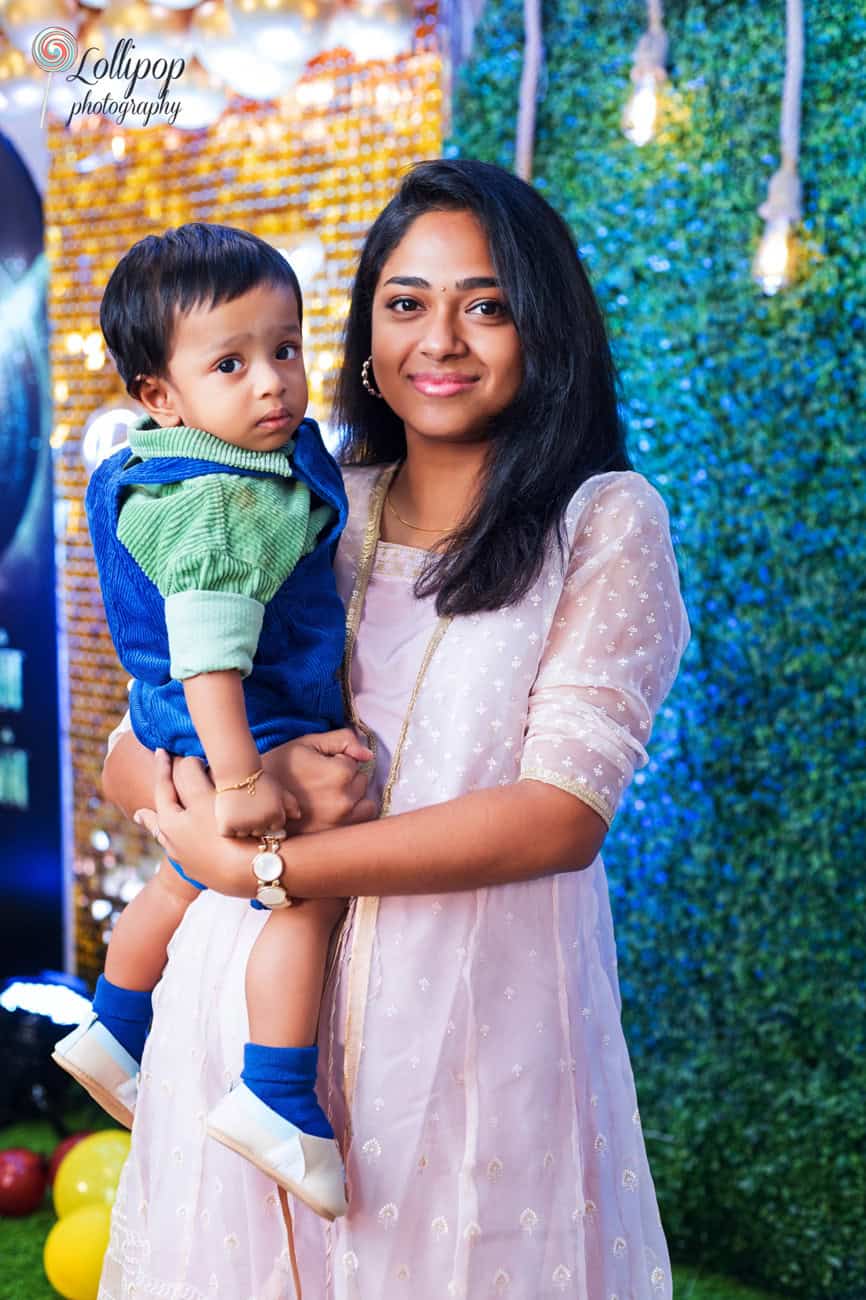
615	645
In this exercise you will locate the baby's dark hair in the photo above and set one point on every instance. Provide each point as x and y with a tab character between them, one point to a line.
163	275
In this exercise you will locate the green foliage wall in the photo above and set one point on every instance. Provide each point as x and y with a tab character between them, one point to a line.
738	863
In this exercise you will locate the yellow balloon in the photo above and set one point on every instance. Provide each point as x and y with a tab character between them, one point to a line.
74	1251
89	1173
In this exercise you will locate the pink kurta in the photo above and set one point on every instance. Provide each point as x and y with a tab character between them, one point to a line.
495	1146
393	635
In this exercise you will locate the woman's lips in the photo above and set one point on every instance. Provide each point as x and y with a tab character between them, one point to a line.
442	385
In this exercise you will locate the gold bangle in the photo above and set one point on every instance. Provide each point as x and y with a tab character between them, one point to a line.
248	783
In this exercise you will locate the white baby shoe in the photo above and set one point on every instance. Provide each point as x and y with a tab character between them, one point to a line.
102	1065
310	1168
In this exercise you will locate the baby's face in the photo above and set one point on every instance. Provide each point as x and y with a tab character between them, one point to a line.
237	370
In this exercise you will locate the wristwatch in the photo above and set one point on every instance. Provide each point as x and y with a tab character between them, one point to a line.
268	867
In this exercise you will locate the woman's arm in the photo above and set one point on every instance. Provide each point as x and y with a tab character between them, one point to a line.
489	837
128	774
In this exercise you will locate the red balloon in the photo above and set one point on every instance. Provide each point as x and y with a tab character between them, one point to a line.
22	1182
60	1151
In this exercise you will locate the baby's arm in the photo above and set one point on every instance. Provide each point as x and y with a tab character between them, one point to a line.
218	547
216	705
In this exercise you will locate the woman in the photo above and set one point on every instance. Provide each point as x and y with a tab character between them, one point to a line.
514	624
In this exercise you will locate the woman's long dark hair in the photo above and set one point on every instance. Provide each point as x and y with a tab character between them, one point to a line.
562	427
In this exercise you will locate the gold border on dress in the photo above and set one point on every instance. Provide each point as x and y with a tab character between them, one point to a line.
365	910
583	792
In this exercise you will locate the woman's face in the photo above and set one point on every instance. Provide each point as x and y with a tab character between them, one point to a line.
446	356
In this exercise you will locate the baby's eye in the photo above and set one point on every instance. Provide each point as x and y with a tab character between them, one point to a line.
290	349
227	361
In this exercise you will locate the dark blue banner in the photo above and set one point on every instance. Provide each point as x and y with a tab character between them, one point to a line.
31	864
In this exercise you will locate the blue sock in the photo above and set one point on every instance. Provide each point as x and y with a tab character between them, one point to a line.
125	1013
284	1078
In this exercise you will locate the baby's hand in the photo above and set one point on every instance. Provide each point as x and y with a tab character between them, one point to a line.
240	813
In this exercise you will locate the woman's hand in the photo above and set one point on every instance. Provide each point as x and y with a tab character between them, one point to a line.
323	770
185	826
331	793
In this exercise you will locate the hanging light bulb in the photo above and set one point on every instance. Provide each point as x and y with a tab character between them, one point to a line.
647	74
773	265
639	115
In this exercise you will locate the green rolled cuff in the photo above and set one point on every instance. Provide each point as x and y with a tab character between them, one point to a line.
212	631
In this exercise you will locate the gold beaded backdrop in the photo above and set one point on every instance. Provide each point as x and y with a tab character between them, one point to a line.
308	174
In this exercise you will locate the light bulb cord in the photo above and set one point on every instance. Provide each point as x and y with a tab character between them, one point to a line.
651	53
784	197
789	130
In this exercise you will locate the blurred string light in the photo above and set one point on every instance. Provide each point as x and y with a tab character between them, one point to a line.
649	71
306	258
31	1009
772	267
36	996
104	433
21	303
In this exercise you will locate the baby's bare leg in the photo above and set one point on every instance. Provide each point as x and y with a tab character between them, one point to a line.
294	1143
137	951
286	970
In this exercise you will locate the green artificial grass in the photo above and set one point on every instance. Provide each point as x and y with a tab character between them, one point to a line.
22	1240
21	1243
692	1283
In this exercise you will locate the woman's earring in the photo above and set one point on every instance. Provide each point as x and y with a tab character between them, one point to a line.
365	378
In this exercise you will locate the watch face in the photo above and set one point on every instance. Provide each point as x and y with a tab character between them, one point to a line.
272	895
268	866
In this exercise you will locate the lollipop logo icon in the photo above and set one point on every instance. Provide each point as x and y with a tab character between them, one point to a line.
54	49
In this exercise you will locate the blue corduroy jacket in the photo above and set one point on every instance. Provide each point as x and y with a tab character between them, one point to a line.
294	687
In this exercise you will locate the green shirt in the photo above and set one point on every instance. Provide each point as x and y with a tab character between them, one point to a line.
218	547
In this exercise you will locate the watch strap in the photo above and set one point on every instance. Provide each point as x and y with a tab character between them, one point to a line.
268	867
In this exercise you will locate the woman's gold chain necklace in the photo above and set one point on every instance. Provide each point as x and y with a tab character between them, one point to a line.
415	527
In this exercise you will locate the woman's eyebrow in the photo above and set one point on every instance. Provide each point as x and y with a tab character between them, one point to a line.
471	282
